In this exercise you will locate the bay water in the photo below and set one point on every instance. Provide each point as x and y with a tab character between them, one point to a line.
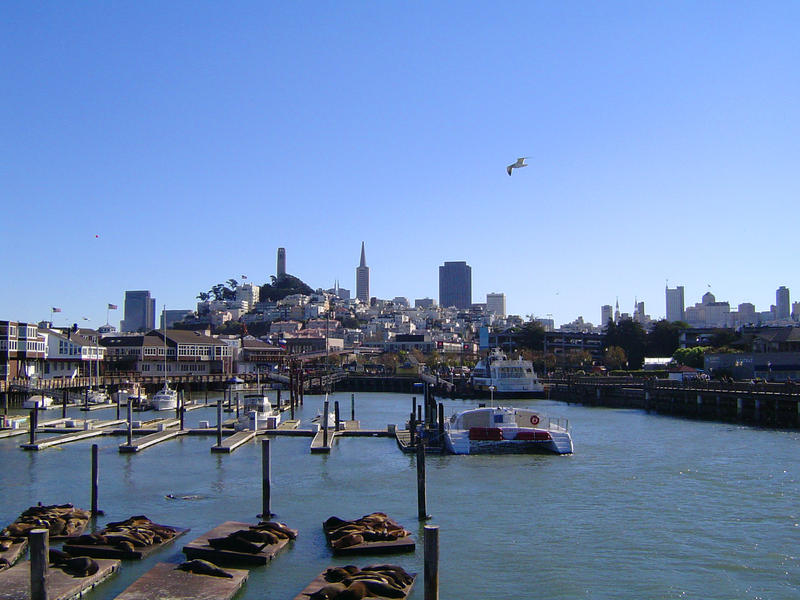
647	507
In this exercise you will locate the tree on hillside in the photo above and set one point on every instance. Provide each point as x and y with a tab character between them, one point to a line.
629	336
664	338
282	286
531	336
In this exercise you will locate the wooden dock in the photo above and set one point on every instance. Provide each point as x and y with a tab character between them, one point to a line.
63	439
10	556
232	442
15	583
200	548
319	582
166	581
318	443
150	440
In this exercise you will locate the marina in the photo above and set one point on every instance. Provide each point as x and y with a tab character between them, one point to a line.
671	519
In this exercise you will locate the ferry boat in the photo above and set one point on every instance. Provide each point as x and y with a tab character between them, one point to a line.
506	430
258	413
505	375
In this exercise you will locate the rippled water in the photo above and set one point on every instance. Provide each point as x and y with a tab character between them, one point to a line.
647	507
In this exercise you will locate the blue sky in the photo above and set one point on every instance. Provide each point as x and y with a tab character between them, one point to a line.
171	146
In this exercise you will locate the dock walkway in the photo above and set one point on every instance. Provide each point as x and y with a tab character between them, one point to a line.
150	440
165	581
15	583
232	442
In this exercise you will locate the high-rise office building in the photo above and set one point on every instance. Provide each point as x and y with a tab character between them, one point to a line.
362	278
782	304
281	262
675	304
606	314
496	303
455	285
140	311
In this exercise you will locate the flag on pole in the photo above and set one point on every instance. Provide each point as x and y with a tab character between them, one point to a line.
112	307
244	276
282	343
54	309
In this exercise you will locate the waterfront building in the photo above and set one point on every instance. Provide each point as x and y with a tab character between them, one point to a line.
675	304
281	270
782	303
22	350
362	278
455	284
606	315
140	311
71	353
496	304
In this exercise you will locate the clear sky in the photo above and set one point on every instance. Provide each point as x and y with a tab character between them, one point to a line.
171	146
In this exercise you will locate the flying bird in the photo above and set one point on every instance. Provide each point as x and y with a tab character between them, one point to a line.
517	165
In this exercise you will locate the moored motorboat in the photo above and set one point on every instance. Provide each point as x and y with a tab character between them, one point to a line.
505	375
502	430
258	413
165	399
39	401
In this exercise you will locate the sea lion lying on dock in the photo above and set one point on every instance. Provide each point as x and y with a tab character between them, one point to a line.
58	519
351	583
80	566
203	567
374	527
127	535
255	538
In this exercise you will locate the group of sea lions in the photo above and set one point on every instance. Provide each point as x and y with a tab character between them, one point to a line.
352	583
255	538
132	533
374	527
58	519
79	566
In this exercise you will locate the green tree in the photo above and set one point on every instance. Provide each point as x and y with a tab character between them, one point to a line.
664	338
615	357
723	337
691	357
629	336
282	286
531	336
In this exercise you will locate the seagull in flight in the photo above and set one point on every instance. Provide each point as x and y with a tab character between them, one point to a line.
517	165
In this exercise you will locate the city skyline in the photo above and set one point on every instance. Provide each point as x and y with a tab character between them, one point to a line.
141	158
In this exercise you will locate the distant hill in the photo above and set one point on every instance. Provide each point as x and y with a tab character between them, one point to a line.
282	286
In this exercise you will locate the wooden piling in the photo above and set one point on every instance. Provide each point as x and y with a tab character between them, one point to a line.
33	423
130	422
64	405
266	510
421	509
412	427
441	422
95	480
279	399
219	423
39	542
325	423
419	413
336	414
431	560
352	407
118	404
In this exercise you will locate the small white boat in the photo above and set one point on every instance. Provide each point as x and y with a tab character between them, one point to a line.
331	419
258	413
506	430
165	399
505	375
38	401
97	397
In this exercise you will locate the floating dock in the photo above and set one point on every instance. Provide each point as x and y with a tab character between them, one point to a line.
345	427
149	440
200	548
108	551
232	442
10	556
15	583
166	581
320	582
63	439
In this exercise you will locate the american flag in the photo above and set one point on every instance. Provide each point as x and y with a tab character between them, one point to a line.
244	276
54	309
112	307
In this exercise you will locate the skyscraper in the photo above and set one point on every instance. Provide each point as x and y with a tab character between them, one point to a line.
140	311
496	303
606	314
362	278
281	262
455	285
675	304
782	304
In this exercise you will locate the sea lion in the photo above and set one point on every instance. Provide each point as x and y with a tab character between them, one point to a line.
56	556
256	535
377	587
399	572
335	574
335	523
5	544
278	528
328	592
125	545
355	591
4	564
353	539
81	566
203	567
236	544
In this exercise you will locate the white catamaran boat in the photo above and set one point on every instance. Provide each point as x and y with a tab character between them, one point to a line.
166	398
505	430
506	375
